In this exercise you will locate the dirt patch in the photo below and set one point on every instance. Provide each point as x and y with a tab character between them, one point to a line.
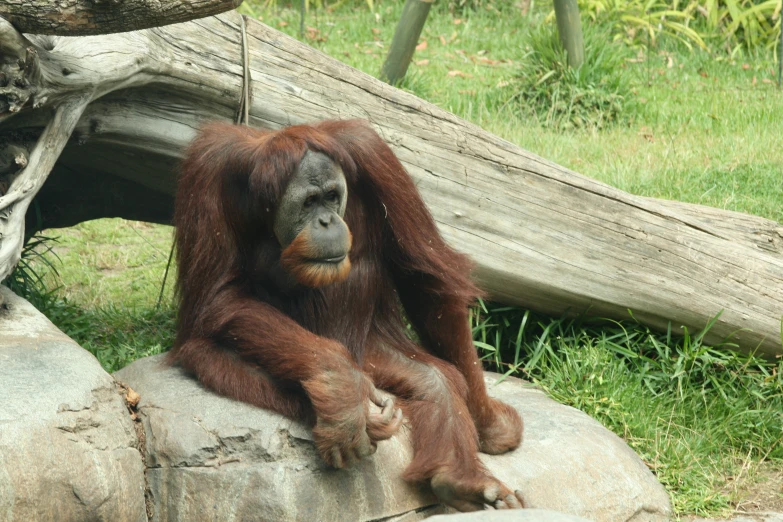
761	490
756	493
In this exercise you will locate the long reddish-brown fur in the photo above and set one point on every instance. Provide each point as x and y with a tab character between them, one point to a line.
246	339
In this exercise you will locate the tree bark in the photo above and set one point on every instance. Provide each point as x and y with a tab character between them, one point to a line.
406	36
569	29
87	17
780	53
542	236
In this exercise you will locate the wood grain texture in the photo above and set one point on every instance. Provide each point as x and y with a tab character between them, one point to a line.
86	17
542	236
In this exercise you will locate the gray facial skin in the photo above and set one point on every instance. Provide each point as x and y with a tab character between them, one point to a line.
315	197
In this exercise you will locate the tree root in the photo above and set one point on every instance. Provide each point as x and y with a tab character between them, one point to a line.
28	182
19	70
62	76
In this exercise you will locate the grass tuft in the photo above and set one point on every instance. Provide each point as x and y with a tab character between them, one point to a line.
28	279
595	95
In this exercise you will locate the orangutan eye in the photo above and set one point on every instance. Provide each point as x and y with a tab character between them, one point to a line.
332	196
310	201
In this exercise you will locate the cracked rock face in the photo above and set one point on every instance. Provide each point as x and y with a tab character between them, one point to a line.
67	444
212	458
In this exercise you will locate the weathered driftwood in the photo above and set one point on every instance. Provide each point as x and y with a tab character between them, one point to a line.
542	236
84	17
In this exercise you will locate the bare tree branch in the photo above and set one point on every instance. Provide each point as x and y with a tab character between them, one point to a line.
28	182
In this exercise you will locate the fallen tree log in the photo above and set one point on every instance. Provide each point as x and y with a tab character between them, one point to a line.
84	17
542	236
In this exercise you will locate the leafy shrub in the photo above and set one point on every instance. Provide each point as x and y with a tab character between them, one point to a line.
595	95
735	23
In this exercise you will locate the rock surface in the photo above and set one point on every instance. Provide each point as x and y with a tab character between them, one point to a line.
68	450
67	444
525	515
211	458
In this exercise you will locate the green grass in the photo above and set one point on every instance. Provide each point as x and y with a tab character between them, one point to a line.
99	282
116	334
595	95
700	115
692	413
113	261
706	129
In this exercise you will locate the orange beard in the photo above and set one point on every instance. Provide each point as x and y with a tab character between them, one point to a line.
297	259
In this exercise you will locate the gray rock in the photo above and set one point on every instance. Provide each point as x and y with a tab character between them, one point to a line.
523	515
216	459
212	458
67	444
570	463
